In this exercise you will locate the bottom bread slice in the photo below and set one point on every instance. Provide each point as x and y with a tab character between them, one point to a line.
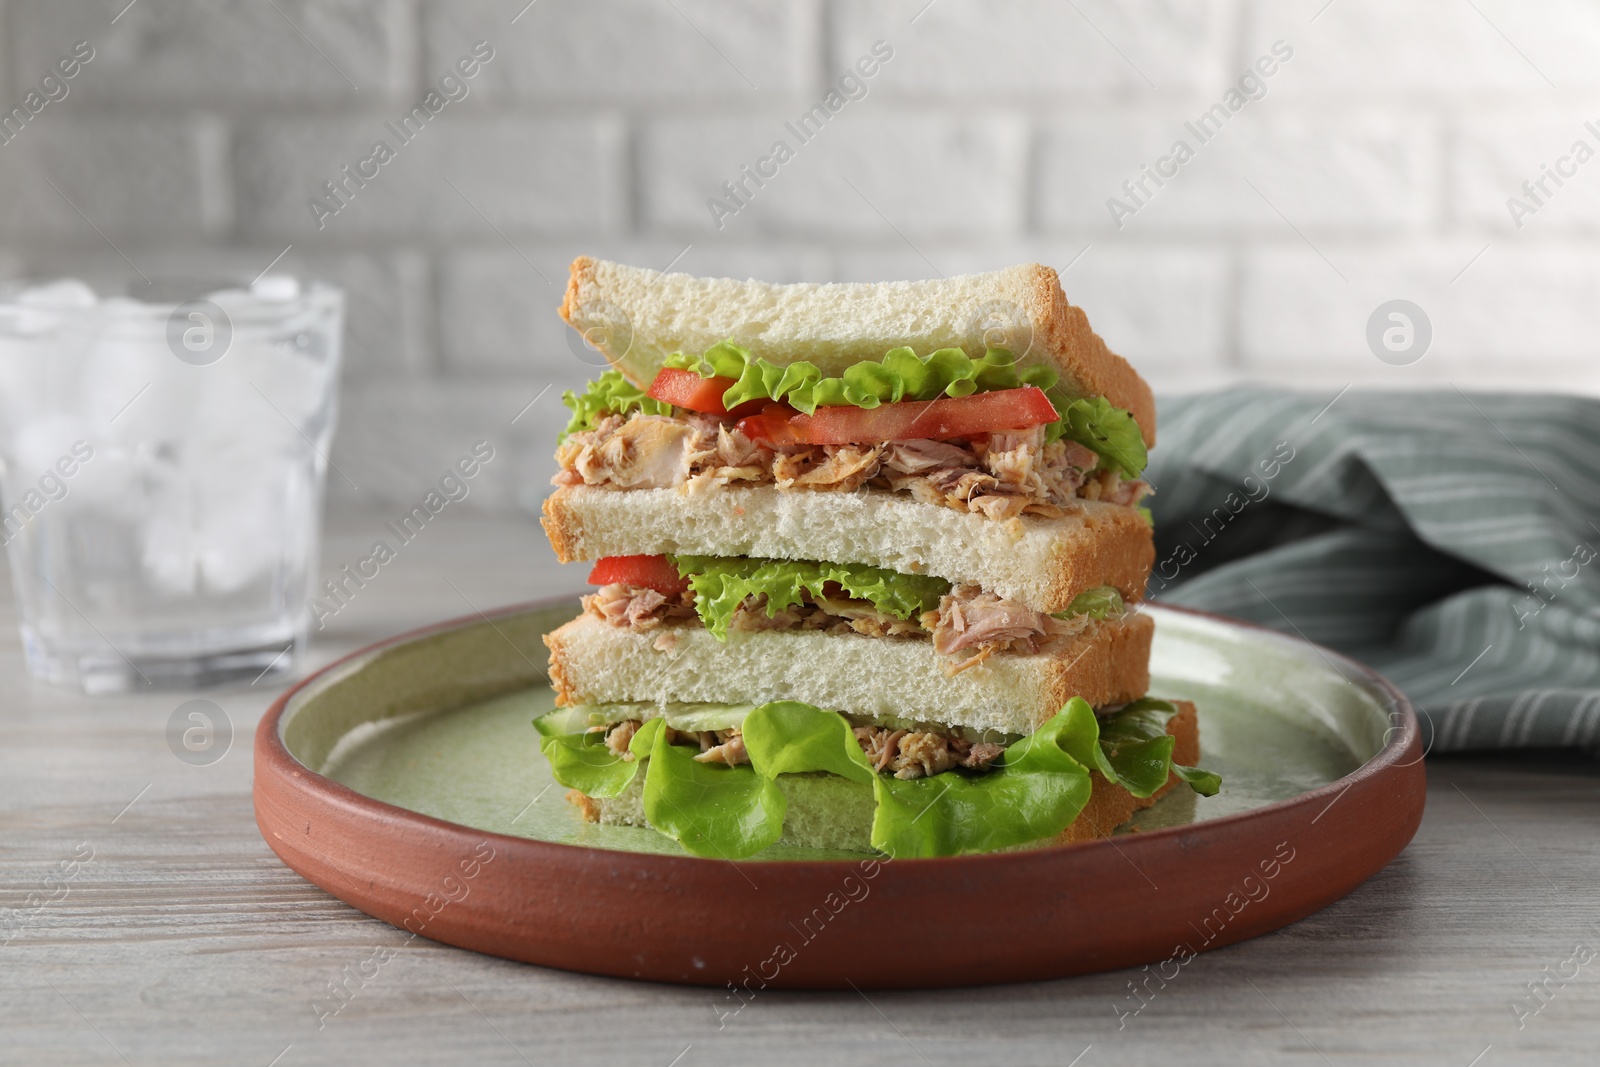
831	812
594	662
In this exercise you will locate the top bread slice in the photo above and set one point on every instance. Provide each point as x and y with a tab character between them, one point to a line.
637	317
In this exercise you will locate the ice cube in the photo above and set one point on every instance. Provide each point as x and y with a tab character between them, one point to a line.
254	517
64	293
40	442
276	288
37	310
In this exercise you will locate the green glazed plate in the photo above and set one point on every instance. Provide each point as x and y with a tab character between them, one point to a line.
1273	723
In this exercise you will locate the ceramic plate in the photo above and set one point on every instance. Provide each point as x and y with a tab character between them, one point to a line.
407	780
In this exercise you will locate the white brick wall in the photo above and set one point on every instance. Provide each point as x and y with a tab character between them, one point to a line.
861	175
1376	165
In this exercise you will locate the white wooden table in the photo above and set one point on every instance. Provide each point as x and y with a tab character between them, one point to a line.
185	941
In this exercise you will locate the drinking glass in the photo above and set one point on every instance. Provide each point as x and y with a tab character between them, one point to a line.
162	459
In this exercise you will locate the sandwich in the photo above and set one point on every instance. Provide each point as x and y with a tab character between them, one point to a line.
868	563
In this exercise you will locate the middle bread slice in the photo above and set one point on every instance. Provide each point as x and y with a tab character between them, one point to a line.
1105	663
1043	563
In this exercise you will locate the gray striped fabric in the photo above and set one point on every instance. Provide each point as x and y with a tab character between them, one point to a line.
1450	540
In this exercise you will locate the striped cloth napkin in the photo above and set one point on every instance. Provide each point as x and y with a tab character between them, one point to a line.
1450	540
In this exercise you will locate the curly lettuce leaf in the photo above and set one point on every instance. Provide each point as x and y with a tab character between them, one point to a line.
709	808
900	375
721	584
1101	602
610	393
1109	432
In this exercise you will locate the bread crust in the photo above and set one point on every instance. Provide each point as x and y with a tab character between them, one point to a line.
579	276
1060	331
1098	544
563	525
1083	358
1119	665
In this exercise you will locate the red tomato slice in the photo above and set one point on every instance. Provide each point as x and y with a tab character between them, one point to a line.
686	389
773	425
641	572
938	420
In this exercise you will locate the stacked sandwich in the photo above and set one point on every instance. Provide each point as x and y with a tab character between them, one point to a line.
868	560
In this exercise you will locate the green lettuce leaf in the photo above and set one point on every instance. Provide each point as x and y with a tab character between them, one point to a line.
1032	792
1137	750
721	584
900	375
1101	602
1107	431
709	808
1206	783
580	760
1035	790
643	742
791	737
607	394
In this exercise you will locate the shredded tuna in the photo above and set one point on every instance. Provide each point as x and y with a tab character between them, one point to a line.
969	618
969	625
880	743
617	738
839	467
643	452
730	751
915	457
1000	475
716	746
922	753
751	617
637	609
982	754
904	753
643	610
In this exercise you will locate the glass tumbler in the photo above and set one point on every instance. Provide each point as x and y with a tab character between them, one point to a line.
162	461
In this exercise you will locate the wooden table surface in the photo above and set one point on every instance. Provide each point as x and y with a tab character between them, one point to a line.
183	940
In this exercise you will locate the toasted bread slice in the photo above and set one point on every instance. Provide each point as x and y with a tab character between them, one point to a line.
637	317
1043	563
827	811
594	662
